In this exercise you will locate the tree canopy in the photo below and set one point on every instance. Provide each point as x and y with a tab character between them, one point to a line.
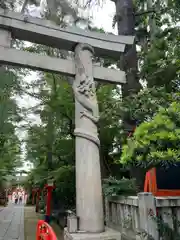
10	149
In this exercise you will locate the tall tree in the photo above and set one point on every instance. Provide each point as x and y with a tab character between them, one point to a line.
125	18
9	142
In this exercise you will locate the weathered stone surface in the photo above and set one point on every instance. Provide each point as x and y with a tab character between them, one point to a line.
72	224
67	67
108	234
45	32
89	206
5	38
12	223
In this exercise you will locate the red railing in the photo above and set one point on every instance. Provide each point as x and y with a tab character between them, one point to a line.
44	231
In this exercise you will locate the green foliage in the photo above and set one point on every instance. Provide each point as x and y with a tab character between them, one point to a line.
50	145
9	142
155	142
161	62
142	106
165	231
65	186
122	187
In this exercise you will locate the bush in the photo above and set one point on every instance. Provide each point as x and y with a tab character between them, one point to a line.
156	142
115	187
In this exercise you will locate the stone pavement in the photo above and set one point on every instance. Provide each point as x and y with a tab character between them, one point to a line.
12	222
30	222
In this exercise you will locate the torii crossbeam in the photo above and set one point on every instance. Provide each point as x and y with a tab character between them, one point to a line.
45	32
85	44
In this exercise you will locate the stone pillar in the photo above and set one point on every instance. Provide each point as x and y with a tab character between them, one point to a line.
147	213
5	38
89	204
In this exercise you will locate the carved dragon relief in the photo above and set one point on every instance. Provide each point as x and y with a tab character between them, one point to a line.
85	92
84	86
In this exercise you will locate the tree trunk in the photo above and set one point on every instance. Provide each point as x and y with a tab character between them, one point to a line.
125	18
129	63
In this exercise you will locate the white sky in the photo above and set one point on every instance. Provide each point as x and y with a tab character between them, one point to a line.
102	18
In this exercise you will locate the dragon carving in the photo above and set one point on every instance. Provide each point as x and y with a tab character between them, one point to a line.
84	86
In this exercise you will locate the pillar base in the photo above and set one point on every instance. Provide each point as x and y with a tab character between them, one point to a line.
108	234
47	218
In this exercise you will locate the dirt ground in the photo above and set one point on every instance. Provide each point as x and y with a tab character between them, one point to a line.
30	222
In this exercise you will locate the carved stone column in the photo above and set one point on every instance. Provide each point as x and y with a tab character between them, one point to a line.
89	204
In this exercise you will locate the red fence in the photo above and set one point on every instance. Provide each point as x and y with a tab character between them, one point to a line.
44	231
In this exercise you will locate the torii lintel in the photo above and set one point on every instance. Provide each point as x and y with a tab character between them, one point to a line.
45	32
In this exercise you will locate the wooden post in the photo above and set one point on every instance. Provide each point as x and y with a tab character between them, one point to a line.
147	215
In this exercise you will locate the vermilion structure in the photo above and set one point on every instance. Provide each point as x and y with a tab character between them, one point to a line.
150	185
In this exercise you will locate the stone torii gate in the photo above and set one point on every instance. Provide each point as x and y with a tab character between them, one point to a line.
85	44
